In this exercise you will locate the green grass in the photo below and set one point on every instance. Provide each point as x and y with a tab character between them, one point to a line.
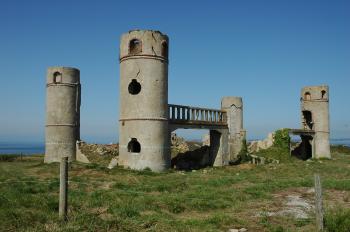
8	157
211	199
337	219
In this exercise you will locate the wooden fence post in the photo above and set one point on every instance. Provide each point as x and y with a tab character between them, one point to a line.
318	203
63	188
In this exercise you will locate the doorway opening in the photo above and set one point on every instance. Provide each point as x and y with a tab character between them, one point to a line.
190	149
303	149
134	146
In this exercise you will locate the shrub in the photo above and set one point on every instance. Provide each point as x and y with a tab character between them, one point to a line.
282	139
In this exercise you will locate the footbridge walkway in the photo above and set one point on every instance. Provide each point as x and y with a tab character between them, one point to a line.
188	117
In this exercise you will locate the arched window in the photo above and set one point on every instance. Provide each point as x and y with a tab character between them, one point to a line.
323	94
57	77
134	87
307	96
165	49
135	46
134	146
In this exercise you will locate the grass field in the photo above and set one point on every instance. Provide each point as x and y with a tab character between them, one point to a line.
210	199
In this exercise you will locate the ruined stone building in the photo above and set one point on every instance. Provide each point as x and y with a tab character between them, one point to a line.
146	117
314	130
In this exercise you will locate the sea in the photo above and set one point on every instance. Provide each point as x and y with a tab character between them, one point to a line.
22	148
39	148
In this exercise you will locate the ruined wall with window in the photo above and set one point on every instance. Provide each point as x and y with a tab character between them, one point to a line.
315	117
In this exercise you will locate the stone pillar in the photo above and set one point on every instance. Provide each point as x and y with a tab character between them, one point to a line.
315	116
143	125
62	113
234	108
218	153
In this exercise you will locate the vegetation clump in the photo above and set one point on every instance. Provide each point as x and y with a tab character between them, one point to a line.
243	154
280	148
282	139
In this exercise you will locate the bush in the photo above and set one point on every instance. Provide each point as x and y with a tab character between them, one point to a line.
282	139
243	154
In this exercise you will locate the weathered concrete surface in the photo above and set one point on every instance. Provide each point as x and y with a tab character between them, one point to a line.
143	127
315	99
234	108
62	113
219	151
80	156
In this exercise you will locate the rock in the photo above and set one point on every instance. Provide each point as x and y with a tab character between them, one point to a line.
96	153
206	140
113	163
100	151
178	144
255	159
233	230
238	230
310	191
258	145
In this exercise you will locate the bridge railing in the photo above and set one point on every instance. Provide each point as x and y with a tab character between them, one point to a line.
183	114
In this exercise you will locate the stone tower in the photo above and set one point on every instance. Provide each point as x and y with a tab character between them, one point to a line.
234	108
143	124
315	117
62	113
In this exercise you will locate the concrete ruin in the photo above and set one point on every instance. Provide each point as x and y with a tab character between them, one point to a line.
314	130
146	118
62	113
237	135
143	128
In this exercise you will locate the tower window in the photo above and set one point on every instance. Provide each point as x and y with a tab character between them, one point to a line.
307	96
323	94
134	146
134	87
307	120
165	49
135	46
57	77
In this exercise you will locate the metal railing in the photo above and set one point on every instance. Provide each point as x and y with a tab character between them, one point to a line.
183	114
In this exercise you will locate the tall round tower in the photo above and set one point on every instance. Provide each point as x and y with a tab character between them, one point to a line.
143	124
315	116
234	108
62	113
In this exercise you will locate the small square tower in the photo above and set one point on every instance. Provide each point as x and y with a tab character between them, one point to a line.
315	117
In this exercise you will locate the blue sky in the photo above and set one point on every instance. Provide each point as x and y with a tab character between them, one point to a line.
264	51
